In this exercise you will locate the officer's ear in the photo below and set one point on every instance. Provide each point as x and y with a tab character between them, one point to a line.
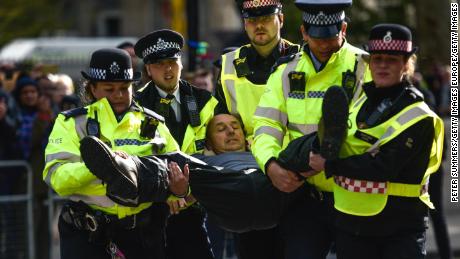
343	30
303	30
147	70
281	18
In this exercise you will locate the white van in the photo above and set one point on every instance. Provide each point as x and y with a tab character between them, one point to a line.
70	55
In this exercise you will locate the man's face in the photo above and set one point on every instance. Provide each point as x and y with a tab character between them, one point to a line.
324	48
264	30
225	134
165	73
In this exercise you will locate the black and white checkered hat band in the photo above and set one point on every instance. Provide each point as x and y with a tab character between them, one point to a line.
322	19
259	3
101	74
161	45
392	45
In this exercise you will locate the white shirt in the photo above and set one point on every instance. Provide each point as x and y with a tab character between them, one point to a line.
175	103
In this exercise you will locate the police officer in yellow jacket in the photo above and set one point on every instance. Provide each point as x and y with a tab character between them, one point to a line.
95	223
245	71
291	105
394	144
187	110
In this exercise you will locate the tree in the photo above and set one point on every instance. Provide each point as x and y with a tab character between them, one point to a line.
29	18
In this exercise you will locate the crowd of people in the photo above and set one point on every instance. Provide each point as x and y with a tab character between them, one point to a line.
355	132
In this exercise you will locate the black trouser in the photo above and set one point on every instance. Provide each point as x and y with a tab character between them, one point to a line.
307	228
186	236
398	246
145	240
264	244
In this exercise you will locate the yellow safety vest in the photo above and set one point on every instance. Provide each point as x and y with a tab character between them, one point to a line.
284	109
194	135
368	198
241	95
67	174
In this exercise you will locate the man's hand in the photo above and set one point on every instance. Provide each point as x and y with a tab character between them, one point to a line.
317	162
3	109
178	181
283	179
176	205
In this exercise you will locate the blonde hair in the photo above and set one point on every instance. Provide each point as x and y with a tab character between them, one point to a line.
411	63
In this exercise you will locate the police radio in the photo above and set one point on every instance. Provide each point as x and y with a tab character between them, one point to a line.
382	110
348	83
92	126
148	127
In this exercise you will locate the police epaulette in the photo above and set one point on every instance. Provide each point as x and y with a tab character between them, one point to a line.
282	60
152	114
74	112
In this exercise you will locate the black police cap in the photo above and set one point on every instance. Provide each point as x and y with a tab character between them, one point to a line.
256	8
390	39
323	17
157	45
110	65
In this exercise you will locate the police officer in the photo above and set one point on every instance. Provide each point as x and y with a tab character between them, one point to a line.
245	71
95	223
292	104
394	144
187	110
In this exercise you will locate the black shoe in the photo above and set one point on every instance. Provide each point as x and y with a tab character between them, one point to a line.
120	174
334	122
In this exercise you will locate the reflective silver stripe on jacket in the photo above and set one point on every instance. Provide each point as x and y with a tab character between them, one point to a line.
285	78
360	70
402	119
80	126
228	66
303	128
71	157
101	201
51	171
230	84
271	113
278	135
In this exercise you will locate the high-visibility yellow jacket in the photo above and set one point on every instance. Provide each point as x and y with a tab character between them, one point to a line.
67	174
195	135
241	95
368	198
292	102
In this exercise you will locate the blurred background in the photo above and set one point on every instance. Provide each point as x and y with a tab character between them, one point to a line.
44	44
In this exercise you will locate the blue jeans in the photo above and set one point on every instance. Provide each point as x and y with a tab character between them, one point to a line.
307	228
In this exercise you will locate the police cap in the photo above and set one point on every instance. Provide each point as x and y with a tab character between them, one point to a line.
390	39
157	45
322	18
255	8
110	65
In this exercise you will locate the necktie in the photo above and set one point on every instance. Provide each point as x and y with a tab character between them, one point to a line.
166	108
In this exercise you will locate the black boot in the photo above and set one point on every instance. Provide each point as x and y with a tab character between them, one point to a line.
333	126
120	174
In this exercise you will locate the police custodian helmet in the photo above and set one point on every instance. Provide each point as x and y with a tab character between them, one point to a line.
390	39
323	18
157	45
111	65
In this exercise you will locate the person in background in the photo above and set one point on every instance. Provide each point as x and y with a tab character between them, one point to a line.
203	79
9	179
392	147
